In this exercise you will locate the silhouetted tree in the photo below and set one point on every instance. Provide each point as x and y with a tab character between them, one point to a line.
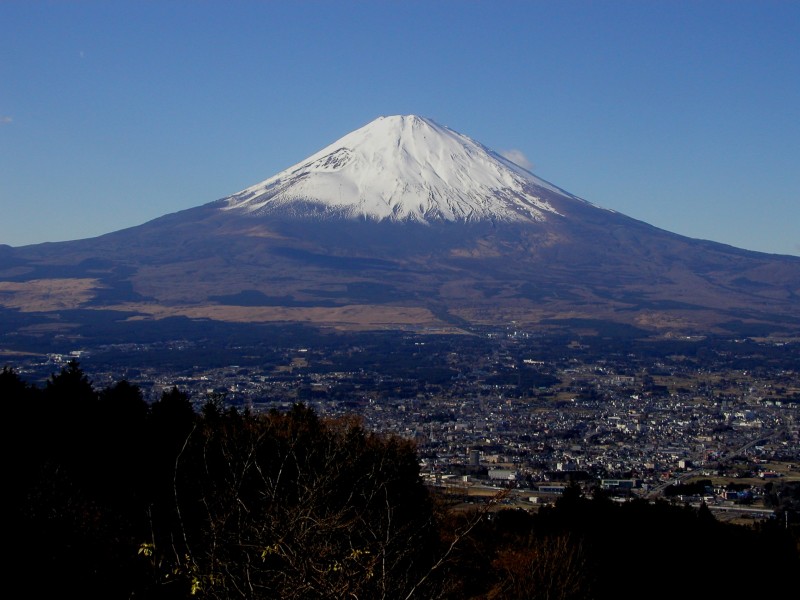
293	506
12	388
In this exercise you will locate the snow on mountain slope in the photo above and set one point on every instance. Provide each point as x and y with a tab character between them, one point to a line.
404	168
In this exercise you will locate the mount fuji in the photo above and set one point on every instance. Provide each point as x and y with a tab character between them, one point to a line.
401	224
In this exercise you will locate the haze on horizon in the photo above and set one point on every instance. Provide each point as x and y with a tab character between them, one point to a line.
682	115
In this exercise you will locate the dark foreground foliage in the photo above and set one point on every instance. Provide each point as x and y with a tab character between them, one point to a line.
113	498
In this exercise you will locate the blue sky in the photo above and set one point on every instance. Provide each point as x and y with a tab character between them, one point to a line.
683	114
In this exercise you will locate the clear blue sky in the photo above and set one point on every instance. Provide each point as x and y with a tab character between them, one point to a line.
683	114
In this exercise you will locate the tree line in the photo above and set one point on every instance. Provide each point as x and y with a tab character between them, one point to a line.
113	497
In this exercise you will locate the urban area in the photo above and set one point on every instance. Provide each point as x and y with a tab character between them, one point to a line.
694	420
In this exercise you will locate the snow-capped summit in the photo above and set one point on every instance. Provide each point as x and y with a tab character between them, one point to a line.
402	168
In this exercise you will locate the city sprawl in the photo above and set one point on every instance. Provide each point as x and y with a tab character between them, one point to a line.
515	409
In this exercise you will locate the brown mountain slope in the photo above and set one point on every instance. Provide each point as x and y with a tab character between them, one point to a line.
587	263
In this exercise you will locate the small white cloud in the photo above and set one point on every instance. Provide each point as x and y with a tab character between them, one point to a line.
5	120
518	158
82	54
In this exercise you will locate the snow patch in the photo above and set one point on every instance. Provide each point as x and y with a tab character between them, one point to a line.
404	168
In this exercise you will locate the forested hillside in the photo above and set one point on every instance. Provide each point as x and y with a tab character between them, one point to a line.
112	497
